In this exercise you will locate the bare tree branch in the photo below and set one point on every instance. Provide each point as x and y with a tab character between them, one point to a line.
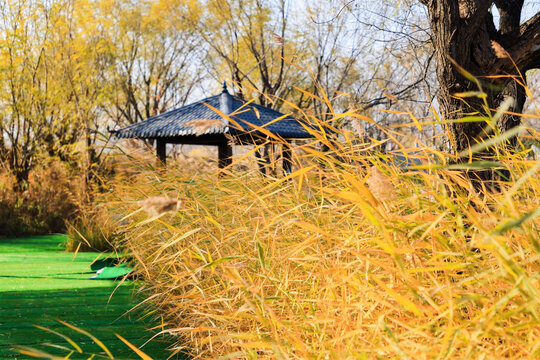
524	51
510	14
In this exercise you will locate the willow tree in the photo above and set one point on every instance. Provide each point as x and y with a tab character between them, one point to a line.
34	99
474	56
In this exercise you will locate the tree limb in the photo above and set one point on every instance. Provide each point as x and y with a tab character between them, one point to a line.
532	23
510	15
525	51
478	16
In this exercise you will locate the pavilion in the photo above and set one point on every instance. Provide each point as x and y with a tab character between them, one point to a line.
222	120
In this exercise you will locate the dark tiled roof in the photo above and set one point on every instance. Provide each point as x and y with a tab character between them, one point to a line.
177	122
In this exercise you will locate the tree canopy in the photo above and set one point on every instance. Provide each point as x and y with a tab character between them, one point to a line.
71	68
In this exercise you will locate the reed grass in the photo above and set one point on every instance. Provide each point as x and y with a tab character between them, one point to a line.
93	230
348	257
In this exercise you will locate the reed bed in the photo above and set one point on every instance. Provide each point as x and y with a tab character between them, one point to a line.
348	257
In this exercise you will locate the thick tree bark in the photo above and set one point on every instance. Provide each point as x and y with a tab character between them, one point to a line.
466	41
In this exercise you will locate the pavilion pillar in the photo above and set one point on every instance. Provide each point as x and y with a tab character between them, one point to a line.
224	154
271	159
286	155
161	151
263	159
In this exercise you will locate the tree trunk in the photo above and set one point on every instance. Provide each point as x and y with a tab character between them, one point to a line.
21	179
470	51
19	166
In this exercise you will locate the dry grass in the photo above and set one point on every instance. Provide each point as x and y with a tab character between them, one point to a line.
52	197
201	126
338	262
93	230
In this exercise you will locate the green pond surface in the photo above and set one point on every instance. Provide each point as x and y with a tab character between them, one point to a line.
41	284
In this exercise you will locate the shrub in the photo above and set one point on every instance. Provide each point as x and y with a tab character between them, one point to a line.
51	198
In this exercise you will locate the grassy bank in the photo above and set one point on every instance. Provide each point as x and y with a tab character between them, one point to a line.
41	287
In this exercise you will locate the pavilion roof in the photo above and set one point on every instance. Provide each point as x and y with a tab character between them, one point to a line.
200	118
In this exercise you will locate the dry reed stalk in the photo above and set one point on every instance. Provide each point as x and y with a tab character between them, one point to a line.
201	126
277	39
380	185
157	205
